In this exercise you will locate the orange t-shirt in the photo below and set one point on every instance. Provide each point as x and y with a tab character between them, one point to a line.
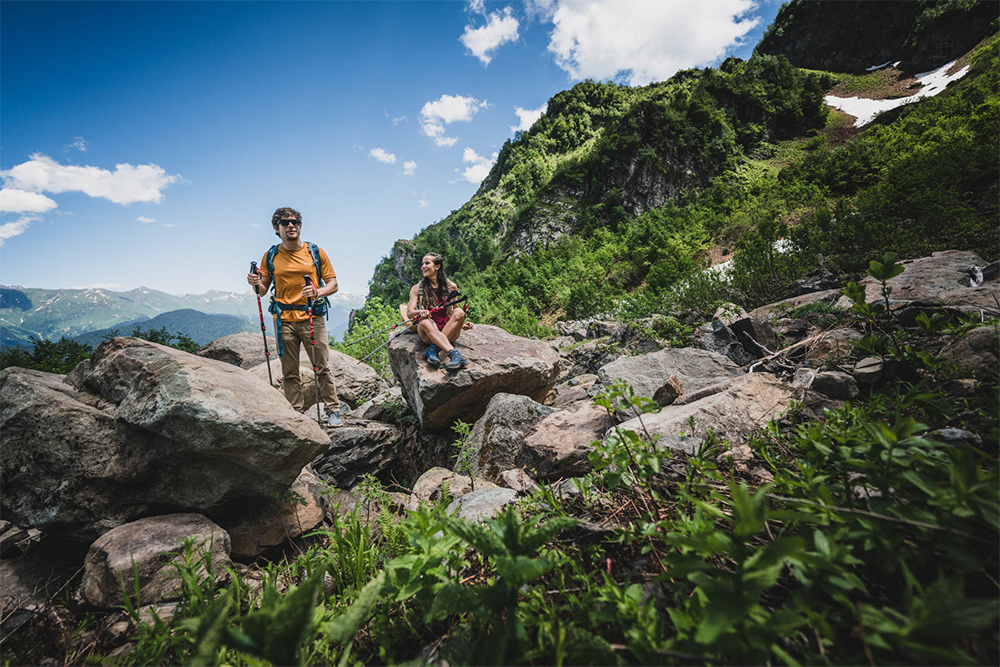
289	269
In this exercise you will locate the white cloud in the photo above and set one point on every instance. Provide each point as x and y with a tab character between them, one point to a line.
423	203
480	168
527	118
169	224
144	219
541	9
650	41
80	144
409	168
396	120
13	200
12	229
447	109
125	185
500	28
477	7
382	156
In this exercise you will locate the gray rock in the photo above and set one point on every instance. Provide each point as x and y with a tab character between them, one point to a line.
868	370
518	480
836	384
481	505
559	444
745	406
729	313
359	447
151	546
778	309
138	428
832	346
717	337
498	436
387	406
973	355
498	363
429	485
356	382
940	280
244	349
647	373
283	518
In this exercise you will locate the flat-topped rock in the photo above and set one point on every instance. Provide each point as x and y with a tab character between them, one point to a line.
742	407
690	368
498	363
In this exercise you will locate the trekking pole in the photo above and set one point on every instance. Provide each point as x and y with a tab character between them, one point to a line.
312	339
263	329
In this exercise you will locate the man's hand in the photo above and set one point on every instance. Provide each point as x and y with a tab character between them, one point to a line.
309	292
253	279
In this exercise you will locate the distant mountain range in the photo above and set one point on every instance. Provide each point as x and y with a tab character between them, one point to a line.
27	313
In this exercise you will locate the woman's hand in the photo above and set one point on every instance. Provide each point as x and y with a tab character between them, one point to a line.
466	326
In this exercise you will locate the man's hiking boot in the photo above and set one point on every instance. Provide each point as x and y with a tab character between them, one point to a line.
431	355
455	361
333	418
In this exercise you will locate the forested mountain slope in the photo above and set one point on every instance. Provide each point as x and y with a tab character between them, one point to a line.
854	36
618	196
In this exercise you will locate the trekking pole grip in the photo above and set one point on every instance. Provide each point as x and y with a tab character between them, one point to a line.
253	269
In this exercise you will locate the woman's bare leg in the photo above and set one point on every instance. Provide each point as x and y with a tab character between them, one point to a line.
454	326
429	332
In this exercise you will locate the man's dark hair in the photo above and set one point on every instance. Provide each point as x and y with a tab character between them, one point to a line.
285	212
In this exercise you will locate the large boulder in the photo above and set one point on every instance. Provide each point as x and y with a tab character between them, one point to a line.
498	436
359	447
650	373
973	355
498	363
558	445
243	349
743	406
139	428
149	548
286	516
941	280
356	382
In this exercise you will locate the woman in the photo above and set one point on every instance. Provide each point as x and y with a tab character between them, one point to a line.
442	327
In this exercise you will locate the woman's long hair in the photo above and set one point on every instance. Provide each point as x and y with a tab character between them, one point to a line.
444	284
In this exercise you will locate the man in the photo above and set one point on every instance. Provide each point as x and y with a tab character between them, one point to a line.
290	262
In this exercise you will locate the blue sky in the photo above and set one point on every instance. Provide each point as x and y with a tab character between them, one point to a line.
148	143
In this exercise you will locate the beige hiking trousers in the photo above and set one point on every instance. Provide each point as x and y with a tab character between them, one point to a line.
293	333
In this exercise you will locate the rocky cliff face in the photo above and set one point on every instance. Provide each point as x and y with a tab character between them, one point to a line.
853	36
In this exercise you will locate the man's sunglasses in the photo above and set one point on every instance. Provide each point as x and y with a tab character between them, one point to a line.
285	223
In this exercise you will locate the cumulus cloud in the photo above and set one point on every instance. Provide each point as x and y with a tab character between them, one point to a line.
477	7
480	168
13	200
409	168
527	117
145	220
125	185
12	229
444	110
540	9
383	156
646	41
423	203
500	28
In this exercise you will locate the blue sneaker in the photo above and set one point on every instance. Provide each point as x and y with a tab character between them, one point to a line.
455	361
431	355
